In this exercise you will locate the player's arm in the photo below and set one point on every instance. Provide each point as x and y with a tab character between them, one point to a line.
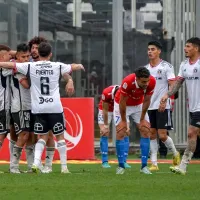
145	106
76	67
24	83
105	106
7	65
69	88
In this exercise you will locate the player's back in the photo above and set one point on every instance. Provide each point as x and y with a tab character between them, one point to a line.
44	79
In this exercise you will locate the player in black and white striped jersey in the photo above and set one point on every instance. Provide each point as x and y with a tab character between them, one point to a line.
45	100
4	95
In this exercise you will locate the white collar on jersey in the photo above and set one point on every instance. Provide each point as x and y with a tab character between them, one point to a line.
113	90
136	84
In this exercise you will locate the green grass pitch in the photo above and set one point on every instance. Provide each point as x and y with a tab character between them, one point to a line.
91	182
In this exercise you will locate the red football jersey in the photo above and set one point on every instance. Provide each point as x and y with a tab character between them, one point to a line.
108	97
130	88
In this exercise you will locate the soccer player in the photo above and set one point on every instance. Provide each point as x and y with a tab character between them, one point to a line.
190	73
4	95
105	116
133	100
50	145
21	113
45	100
163	72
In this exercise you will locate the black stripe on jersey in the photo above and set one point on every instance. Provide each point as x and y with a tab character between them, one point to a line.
60	74
3	83
28	75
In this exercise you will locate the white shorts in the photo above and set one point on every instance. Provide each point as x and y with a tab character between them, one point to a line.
100	117
131	111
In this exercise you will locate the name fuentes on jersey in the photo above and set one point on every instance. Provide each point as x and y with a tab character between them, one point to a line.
44	72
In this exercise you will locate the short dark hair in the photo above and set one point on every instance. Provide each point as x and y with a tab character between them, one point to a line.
195	41
155	43
44	49
142	72
36	40
23	47
4	48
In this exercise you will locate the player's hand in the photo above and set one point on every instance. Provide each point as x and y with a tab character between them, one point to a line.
163	103
144	123
121	128
76	67
105	131
69	88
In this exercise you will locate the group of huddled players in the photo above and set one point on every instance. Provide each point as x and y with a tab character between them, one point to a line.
145	97
30	106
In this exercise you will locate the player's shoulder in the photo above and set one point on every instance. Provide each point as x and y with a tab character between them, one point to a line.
152	80
184	62
166	64
129	78
108	89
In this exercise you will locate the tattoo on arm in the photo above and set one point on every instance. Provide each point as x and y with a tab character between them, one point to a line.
175	87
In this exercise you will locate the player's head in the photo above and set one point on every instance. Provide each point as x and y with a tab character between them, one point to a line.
142	77
4	53
33	46
192	47
44	50
154	49
23	54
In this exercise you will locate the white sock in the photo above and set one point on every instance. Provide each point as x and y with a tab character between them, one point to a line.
29	155
17	151
185	160
154	150
39	148
170	145
11	146
62	149
49	156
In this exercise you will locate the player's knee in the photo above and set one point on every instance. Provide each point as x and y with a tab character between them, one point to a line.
120	136
144	131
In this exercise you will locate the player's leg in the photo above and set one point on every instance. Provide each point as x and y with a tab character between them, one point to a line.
153	140
191	146
103	140
119	139
145	138
163	120
30	144
57	125
41	129
13	138
126	146
50	150
21	122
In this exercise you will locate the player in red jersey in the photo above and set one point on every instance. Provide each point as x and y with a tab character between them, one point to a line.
105	115
133	100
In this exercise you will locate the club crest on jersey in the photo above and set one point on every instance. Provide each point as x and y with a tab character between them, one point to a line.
103	97
125	85
159	71
195	70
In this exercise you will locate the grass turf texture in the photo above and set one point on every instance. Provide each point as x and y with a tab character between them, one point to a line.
90	181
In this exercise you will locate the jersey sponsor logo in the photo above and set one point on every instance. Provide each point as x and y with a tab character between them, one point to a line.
45	100
192	78
125	85
158	78
72	135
